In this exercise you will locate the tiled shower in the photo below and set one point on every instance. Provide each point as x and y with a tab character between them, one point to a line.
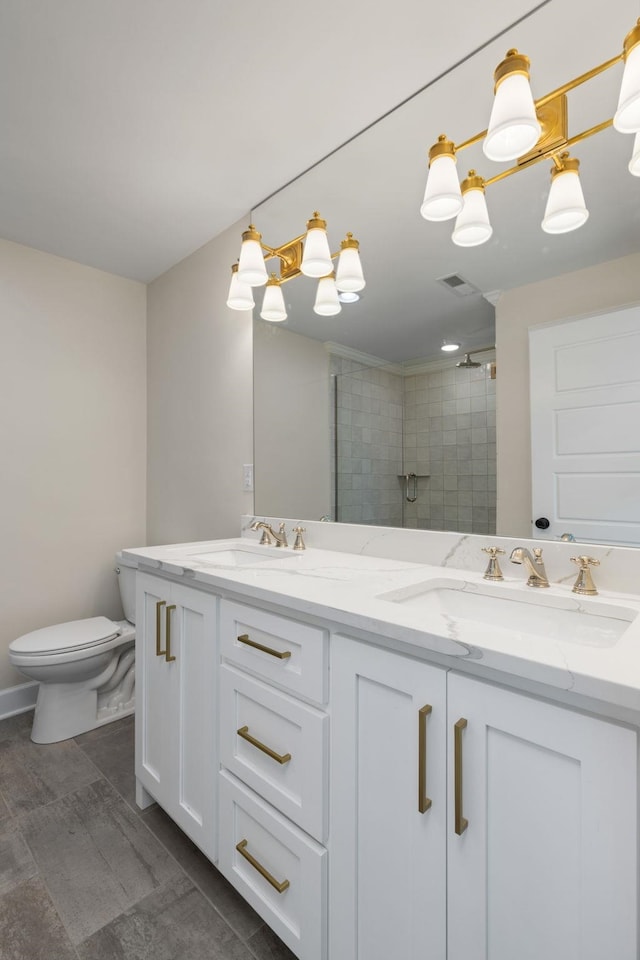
429	435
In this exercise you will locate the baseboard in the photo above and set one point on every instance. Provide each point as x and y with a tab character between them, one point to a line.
18	699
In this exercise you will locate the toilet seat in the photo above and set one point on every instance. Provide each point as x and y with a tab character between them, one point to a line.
64	638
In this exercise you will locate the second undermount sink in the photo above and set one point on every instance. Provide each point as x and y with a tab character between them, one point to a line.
229	553
590	623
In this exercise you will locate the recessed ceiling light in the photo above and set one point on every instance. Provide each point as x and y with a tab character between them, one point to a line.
348	296
449	347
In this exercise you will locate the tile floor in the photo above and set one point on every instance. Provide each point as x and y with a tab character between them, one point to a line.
86	875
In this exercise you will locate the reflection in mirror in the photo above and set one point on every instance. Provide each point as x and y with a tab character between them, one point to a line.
521	278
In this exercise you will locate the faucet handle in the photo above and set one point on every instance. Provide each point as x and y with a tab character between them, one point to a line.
584	582
493	571
299	542
537	554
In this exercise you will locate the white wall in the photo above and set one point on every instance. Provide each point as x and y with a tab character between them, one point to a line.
72	436
594	289
200	398
291	424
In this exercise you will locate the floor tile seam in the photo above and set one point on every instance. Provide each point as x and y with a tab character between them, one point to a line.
198	887
41	806
41	879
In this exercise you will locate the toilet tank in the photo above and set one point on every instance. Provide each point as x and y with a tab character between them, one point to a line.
126	570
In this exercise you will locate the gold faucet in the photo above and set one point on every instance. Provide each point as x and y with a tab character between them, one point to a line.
533	564
269	536
584	583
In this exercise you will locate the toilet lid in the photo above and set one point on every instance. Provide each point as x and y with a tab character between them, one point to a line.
75	635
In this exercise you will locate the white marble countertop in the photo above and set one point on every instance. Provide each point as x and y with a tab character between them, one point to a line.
565	652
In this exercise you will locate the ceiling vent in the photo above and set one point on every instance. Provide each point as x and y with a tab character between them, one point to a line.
458	285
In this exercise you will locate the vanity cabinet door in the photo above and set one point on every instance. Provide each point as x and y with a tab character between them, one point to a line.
388	806
176	738
544	860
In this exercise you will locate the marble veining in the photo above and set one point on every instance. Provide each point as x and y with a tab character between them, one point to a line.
344	574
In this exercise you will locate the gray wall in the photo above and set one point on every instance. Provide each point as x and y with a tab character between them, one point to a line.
450	434
200	398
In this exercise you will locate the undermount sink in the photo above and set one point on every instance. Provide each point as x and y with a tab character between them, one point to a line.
230	554
590	623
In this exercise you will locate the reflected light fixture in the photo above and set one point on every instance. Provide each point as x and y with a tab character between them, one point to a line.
449	347
472	224
524	131
308	254
273	307
345	296
327	301
565	208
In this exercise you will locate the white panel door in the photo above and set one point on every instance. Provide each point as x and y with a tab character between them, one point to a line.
387	861
194	708
585	427
154	721
176	709
546	866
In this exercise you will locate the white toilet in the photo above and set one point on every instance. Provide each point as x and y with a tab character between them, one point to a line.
86	668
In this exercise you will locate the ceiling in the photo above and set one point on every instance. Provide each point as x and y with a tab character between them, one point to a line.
136	130
374	187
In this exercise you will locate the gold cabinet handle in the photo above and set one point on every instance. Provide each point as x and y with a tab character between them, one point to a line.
461	823
280	654
280	886
159	651
279	757
424	802
167	653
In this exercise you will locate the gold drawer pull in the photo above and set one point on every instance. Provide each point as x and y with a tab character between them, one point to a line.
280	654
280	758
279	886
461	823
159	651
167	653
424	801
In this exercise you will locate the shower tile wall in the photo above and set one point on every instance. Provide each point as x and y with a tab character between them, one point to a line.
369	442
450	434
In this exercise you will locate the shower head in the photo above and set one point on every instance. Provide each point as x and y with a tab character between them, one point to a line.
468	363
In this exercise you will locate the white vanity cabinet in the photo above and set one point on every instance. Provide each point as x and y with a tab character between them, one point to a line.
176	710
274	776
530	833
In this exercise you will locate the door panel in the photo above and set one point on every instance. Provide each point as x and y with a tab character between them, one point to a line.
585	411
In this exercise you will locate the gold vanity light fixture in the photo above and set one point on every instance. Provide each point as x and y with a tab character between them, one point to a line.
308	255
526	131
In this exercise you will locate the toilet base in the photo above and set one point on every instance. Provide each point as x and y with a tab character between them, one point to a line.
64	711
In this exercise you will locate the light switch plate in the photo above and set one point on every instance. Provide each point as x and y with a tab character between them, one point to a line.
247	477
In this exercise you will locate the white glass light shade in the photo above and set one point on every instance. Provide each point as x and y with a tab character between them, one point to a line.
316	259
449	347
565	210
442	197
627	117
634	163
273	307
327	303
240	294
349	275
348	296
472	225
251	266
514	128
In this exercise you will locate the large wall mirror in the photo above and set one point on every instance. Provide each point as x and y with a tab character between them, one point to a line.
358	416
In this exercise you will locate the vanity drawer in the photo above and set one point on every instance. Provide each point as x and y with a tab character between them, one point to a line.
286	759
292	654
279	870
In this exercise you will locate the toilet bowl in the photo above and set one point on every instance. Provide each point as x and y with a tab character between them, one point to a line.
86	668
